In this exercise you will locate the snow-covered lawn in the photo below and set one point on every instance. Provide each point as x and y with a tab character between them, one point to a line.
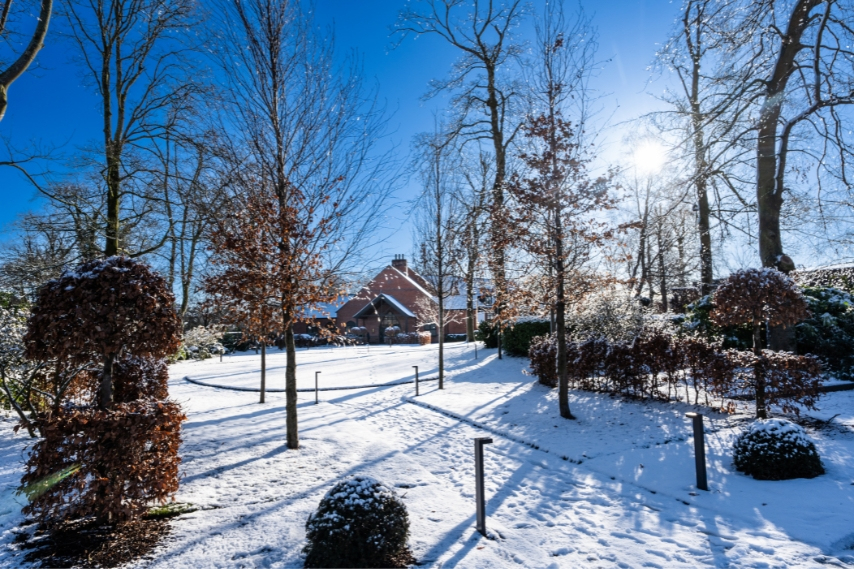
612	489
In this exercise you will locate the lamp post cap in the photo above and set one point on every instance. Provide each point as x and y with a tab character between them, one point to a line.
484	440
692	415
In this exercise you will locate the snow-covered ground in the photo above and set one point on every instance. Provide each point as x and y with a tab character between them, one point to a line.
611	489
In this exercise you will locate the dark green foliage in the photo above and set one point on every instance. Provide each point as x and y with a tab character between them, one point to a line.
696	320
359	523
776	449
839	277
487	333
829	332
517	340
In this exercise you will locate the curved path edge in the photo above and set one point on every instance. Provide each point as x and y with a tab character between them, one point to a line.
303	390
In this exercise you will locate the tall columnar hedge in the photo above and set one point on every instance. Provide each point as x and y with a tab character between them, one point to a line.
112	450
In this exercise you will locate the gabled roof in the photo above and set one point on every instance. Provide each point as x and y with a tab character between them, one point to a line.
411	280
388	299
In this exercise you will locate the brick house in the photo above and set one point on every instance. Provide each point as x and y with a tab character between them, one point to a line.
396	297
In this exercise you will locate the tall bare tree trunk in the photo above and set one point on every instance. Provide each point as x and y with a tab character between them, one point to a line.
771	149
263	369
759	375
560	322
497	234
662	277
291	386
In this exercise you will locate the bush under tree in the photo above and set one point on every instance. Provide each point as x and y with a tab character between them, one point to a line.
112	450
759	298
776	449
359	523
517	338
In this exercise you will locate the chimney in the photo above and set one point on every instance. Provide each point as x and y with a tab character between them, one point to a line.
399	263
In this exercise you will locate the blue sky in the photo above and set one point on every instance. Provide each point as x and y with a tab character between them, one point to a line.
52	106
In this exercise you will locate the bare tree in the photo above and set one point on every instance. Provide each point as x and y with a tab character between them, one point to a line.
193	180
132	53
438	225
472	200
482	81
708	108
10	71
302	124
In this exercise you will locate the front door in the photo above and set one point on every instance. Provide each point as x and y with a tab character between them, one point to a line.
387	321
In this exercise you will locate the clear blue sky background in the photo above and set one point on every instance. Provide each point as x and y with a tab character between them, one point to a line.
52	106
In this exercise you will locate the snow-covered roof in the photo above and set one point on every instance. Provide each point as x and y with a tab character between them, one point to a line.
407	277
325	309
458	302
389	299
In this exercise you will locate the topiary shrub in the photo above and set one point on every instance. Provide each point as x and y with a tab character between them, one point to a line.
110	465
776	449
359	523
759	298
697	321
517	339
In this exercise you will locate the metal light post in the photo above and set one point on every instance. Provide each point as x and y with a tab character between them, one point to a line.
416	381
699	450
478	475
316	399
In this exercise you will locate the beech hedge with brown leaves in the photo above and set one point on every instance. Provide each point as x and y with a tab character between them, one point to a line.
658	365
111	450
120	461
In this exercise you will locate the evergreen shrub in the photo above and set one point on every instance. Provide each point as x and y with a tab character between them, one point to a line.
487	333
517	339
828	333
359	523
776	449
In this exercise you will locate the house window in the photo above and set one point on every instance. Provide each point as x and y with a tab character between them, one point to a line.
389	320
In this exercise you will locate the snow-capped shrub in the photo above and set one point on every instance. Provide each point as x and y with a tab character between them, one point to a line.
359	523
118	444
829	332
776	449
201	343
610	313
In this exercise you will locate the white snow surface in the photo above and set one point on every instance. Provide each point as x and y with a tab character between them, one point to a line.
613	488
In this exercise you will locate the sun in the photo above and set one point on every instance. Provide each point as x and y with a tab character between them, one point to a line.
649	157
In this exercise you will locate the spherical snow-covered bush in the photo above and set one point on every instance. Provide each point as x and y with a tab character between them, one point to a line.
359	523
776	449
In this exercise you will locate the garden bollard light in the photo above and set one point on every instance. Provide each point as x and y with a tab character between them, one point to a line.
699	450
316	400
416	381
478	474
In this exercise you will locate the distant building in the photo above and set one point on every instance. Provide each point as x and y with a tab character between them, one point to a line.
398	296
